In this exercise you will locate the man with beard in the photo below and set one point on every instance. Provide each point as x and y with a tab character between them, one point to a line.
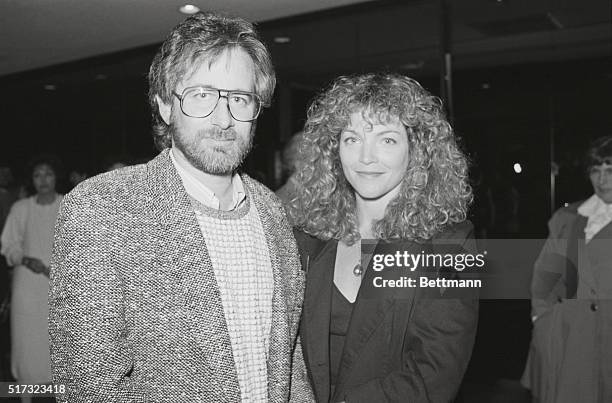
179	280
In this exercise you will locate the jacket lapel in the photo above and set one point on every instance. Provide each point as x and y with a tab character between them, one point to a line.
283	264
317	310
368	315
189	263
575	253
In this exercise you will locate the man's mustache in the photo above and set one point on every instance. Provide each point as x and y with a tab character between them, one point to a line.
218	134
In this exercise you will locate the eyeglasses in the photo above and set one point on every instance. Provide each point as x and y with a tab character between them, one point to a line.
200	102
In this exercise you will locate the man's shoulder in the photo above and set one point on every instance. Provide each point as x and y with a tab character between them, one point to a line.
111	184
116	190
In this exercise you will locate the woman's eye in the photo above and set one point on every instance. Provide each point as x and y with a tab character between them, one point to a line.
388	140
350	140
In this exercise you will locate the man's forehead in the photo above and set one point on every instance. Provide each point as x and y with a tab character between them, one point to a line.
233	66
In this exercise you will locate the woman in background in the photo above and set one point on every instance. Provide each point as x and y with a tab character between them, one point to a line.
570	359
27	241
378	161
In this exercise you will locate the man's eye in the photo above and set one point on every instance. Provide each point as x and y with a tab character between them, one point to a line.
389	140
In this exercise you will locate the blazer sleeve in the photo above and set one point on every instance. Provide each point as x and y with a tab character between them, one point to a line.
437	346
87	331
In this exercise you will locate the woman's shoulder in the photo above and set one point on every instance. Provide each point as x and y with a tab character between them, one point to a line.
22	205
456	238
458	231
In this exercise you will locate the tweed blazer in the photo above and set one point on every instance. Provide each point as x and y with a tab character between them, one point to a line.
135	310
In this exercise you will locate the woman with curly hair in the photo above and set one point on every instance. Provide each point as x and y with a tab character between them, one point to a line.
379	163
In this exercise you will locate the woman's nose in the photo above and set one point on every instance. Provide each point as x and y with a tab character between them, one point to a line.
367	154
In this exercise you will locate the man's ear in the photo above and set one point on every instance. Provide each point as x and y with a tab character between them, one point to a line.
165	110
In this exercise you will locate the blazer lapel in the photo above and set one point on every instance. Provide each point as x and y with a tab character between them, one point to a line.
317	310
368	315
279	356
189	263
575	253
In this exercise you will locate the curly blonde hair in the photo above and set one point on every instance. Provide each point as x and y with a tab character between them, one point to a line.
434	192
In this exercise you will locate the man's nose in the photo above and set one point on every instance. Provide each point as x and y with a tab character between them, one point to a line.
221	116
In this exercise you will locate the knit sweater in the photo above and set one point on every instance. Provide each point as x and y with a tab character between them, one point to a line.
237	246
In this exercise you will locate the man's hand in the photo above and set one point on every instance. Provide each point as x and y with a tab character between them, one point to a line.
36	265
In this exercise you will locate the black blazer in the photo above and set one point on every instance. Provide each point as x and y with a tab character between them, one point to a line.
399	348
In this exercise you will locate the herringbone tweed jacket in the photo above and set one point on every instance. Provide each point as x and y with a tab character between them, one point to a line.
135	310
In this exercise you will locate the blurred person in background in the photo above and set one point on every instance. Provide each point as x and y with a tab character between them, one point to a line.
288	159
27	241
570	358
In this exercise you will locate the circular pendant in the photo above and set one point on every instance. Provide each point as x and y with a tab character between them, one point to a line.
357	270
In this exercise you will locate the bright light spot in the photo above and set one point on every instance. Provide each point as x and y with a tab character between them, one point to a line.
50	87
566	204
189	9
486	86
282	39
518	168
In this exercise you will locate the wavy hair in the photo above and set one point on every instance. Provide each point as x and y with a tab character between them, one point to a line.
204	37
434	192
598	153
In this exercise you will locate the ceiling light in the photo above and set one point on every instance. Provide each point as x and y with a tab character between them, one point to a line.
282	39
413	65
50	87
486	86
189	9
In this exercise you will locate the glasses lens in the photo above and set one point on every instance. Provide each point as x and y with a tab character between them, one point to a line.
200	102
243	105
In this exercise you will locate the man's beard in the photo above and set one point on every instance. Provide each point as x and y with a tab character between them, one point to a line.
213	159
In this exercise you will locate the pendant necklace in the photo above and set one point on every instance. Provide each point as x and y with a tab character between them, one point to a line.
358	269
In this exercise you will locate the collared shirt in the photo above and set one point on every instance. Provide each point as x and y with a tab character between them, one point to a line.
202	193
599	215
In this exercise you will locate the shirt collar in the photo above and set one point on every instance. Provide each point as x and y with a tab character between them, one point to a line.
204	194
599	215
594	206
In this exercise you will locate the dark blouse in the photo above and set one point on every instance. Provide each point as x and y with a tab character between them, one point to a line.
341	310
